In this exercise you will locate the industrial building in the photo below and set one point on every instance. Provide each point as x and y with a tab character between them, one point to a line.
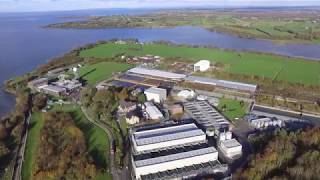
207	116
69	85
152	111
35	84
160	163
52	90
230	148
202	65
157	73
165	137
157	95
222	83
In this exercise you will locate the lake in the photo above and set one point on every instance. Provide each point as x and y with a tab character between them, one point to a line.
24	44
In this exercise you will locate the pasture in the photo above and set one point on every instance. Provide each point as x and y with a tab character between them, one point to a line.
248	63
94	73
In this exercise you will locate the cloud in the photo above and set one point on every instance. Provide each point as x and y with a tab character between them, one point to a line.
50	5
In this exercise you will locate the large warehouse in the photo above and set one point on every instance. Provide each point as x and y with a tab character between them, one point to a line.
173	159
207	116
164	137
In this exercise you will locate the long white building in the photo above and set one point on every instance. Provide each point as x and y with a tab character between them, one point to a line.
163	161
165	137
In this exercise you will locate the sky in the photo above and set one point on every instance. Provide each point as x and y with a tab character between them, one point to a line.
55	5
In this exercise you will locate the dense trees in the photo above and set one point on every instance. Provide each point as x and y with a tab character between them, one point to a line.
62	152
11	128
286	156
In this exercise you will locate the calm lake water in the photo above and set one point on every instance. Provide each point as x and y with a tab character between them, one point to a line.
24	44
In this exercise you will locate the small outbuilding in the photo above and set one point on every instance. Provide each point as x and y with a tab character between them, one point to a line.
186	94
202	65
231	148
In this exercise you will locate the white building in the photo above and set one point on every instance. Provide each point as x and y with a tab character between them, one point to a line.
165	137
202	65
152	111
162	163
230	148
266	122
157	95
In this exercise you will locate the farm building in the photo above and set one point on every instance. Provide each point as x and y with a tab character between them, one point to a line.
202	65
157	95
152	111
165	137
222	83
230	148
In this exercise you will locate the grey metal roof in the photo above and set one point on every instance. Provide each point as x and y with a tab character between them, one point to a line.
174	157
230	143
156	73
205	114
222	83
165	130
169	137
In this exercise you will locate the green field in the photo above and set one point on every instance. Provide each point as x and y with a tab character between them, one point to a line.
36	124
97	140
233	108
94	73
248	63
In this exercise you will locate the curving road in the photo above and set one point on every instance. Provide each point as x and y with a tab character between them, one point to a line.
117	174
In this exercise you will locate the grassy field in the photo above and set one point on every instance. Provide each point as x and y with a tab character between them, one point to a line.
97	72
248	63
97	140
233	108
36	124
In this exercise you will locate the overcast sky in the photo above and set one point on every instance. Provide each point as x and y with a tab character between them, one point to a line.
52	5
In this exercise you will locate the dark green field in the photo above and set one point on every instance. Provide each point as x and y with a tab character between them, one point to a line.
247	63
